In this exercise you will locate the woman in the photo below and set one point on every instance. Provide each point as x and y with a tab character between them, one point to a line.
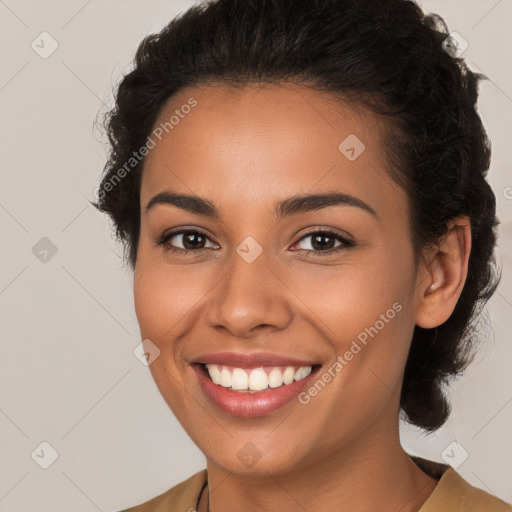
300	187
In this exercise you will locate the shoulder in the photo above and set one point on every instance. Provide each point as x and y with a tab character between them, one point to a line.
182	497
457	495
471	498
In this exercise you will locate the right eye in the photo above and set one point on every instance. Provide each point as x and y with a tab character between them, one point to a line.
192	241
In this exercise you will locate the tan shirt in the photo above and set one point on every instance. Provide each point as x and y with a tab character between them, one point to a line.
452	494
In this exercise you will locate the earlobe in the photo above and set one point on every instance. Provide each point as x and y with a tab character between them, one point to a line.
442	280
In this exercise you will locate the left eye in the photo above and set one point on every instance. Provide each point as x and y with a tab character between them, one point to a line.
322	241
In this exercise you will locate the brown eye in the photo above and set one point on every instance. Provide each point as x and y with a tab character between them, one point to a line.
322	241
191	240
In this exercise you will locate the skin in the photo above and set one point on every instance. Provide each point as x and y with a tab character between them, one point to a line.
246	149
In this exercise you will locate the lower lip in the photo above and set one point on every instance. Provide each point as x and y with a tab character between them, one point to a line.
249	405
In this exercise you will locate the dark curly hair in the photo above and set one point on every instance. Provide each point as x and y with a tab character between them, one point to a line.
385	55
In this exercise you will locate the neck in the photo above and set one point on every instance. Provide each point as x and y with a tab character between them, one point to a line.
369	475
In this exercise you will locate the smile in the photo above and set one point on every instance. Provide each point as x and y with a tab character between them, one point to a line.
257	379
249	386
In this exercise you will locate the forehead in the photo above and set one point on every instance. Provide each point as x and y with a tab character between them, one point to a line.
263	142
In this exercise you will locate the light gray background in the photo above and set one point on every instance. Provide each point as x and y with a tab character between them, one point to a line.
68	329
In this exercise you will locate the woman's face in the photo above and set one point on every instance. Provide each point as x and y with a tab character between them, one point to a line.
263	288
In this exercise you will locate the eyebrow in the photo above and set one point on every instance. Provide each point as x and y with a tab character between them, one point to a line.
285	208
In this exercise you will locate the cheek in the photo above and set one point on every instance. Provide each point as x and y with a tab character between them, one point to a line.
161	302
368	307
164	296
344	301
377	323
147	292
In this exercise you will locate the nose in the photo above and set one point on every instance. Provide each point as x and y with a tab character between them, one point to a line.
250	297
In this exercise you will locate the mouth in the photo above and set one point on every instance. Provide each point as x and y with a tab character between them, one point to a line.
247	380
249	387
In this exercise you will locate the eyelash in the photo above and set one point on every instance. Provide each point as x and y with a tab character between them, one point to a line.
165	237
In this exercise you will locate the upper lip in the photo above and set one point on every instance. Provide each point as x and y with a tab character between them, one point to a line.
241	360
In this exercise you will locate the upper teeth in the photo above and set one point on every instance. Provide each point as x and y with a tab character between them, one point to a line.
257	379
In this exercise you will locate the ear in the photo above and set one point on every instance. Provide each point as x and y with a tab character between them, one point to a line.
442	276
